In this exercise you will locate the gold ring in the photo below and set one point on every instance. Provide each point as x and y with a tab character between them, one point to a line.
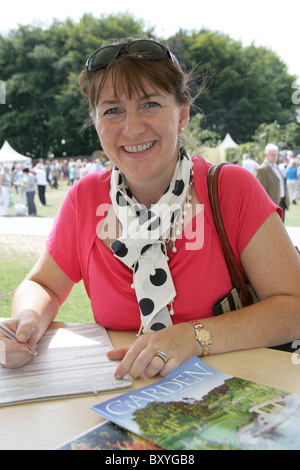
162	355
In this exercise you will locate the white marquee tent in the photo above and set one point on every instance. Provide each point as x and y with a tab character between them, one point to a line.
9	155
228	142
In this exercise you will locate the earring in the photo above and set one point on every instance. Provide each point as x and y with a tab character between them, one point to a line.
182	129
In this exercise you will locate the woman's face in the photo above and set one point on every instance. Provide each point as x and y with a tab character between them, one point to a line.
140	134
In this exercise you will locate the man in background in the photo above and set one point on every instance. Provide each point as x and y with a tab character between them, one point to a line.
272	179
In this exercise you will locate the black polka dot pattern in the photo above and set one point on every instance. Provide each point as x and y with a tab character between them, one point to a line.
155	224
157	326
140	247
159	278
179	187
145	217
146	306
121	201
119	248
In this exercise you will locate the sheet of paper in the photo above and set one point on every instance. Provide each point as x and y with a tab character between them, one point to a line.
71	362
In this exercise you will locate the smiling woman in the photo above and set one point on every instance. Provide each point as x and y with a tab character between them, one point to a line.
142	235
139	101
140	136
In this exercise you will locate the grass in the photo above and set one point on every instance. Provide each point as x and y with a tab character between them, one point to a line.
18	257
292	216
54	198
76	309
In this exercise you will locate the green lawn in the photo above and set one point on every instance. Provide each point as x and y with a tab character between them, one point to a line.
292	216
76	309
54	198
16	263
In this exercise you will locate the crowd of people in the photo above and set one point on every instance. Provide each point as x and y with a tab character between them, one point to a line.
29	180
19	183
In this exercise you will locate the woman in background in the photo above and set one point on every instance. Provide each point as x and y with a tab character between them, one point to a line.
5	183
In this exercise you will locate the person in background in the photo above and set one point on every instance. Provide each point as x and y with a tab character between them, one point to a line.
19	184
272	179
292	180
142	237
72	174
29	183
41	181
5	184
250	164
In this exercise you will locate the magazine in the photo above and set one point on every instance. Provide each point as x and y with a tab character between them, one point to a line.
108	436
197	407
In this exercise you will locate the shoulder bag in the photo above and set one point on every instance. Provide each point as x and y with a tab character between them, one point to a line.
242	293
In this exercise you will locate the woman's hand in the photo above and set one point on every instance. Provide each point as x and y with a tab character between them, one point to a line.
140	360
15	354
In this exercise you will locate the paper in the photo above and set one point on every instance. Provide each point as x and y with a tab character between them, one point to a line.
71	362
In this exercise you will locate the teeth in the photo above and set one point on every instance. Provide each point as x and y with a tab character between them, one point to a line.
138	148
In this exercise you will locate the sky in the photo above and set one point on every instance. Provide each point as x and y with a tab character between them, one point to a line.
270	23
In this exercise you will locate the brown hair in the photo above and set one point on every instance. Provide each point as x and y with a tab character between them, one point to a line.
130	73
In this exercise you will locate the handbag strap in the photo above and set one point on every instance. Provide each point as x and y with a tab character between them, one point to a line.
235	273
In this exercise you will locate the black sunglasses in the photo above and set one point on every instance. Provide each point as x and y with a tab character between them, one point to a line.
144	48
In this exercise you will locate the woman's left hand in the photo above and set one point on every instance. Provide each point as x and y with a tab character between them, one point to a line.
140	359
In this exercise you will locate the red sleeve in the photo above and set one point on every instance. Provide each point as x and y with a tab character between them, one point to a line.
62	241
245	205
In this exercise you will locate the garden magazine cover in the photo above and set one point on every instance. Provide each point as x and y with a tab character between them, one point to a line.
197	407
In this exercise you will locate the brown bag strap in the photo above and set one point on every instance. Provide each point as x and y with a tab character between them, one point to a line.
236	276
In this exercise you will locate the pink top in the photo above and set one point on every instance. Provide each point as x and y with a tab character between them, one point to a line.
198	270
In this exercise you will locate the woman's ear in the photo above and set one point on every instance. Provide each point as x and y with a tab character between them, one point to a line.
184	117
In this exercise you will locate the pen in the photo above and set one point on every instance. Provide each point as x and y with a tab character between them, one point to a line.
12	336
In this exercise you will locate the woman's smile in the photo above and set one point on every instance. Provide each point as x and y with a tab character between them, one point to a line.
138	150
139	147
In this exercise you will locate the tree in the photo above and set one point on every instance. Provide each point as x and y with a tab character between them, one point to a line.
44	110
246	86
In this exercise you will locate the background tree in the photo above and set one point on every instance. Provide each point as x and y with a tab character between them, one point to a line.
44	110
246	86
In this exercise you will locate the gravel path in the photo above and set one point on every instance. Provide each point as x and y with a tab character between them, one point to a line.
29	244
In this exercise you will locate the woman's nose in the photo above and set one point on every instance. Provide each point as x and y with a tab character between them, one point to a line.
133	124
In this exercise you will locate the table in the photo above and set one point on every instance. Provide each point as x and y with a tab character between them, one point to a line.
46	425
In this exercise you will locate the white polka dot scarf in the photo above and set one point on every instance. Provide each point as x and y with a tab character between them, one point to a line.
142	245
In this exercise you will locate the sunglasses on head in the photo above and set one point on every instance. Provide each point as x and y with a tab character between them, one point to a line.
143	48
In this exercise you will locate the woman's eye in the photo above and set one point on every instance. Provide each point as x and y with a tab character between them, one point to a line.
112	111
152	104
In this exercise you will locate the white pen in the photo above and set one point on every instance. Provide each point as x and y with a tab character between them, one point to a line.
12	336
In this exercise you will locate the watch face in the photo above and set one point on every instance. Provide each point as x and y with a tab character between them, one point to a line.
203	335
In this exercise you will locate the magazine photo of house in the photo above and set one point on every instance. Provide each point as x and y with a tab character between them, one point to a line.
197	407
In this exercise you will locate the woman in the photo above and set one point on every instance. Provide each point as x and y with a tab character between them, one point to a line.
292	180
5	184
142	236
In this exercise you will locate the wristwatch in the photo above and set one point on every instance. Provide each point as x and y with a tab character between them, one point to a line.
203	336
